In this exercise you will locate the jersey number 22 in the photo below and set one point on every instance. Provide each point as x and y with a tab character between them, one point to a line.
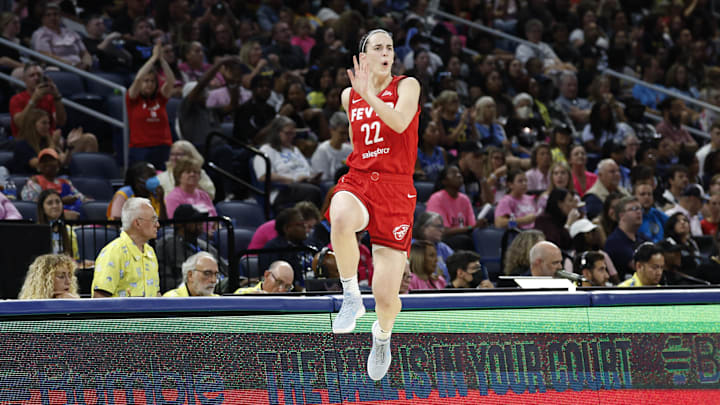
367	128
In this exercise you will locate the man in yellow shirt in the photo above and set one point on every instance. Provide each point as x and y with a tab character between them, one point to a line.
277	279
127	266
649	263
200	276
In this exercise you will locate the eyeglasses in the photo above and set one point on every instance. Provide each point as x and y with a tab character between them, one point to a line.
285	286
153	219
209	273
633	208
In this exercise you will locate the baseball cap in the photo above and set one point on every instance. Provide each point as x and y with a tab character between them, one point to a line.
581	226
187	211
48	152
694	190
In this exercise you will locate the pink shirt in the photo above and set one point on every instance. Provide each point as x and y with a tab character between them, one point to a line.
455	212
305	43
199	199
263	234
7	209
419	284
517	207
590	179
536	180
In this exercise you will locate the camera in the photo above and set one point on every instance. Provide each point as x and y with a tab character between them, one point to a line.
218	9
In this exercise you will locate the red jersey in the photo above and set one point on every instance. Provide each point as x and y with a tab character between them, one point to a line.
148	121
376	147
19	101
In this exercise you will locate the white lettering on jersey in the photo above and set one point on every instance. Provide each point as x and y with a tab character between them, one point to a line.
357	114
375	153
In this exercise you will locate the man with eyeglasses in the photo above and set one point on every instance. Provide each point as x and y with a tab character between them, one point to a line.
622	242
128	266
200	276
649	265
277	279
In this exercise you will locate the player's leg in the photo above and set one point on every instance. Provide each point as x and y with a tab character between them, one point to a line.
388	272
347	216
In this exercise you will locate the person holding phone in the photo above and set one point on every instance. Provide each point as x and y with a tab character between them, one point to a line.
40	92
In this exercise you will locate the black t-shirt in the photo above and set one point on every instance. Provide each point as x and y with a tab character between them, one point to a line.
250	118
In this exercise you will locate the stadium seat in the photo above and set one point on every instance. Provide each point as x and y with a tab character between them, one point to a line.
94	165
114	108
424	190
28	209
242	240
172	107
92	239
69	84
5	157
243	214
419	209
95	210
227	129
488	243
20	180
249	267
102	90
94	187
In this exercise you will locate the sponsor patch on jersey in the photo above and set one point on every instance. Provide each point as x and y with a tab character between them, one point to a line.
375	153
386	93
400	231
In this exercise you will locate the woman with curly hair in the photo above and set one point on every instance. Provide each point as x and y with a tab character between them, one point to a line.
50	276
517	256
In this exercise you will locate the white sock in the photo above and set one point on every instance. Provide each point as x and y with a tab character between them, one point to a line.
379	333
350	285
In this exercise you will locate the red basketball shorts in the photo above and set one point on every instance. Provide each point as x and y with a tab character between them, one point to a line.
390	202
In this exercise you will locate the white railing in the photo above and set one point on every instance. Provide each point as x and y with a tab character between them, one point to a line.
89	76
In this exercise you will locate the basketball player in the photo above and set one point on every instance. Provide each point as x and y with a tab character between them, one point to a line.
377	194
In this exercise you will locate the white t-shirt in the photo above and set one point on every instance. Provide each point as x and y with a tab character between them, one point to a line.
327	160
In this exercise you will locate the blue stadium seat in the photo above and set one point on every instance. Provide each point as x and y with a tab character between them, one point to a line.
28	209
96	165
94	187
102	90
243	214
114	108
95	210
424	190
91	240
69	84
488	243
20	180
242	240
419	209
5	157
249	267
227	129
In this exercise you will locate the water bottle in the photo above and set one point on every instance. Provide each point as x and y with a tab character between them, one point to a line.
513	223
10	190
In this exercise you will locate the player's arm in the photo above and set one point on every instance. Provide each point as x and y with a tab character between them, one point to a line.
345	100
398	118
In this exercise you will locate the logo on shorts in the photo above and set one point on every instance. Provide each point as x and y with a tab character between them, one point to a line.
400	231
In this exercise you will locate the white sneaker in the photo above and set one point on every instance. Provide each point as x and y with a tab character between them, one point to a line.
380	358
351	310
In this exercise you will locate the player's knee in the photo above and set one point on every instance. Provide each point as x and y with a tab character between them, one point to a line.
384	297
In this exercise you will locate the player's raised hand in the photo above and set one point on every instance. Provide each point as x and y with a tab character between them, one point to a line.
360	75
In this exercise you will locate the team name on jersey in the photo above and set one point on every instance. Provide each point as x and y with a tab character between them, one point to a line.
357	114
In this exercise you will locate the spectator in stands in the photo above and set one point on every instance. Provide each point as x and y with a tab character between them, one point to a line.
150	137
184	149
288	166
591	265
651	73
168	52
48	166
678	233
7	209
50	211
194	65
545	259
471	162
186	239
587	236
621	243
127	266
200	276
677	79
608	220
515	79
222	44
431	157
690	203
603	128
50	276
648	263
328	50
516	258
677	180
302	30
407	278
254	114
493	190
252	62
140	44
281	53
539	174
429	226
266	232
516	206
290	226
493	87
40	93
560	144
544	52
466	271
490	131
455	125
278	278
578	109
557	218
583	179
58	42
527	125
673	111
330	155
608	182
268	14
455	209
107	52
559	177
9	30
140	181
186	172
653	224
34	136
710	223
310	120
423	264
123	22
711	146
